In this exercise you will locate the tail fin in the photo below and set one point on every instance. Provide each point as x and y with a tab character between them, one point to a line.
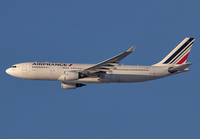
180	54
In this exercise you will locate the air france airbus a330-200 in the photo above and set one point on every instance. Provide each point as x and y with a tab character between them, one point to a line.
109	71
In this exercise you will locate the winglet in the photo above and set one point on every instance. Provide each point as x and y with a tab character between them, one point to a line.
131	49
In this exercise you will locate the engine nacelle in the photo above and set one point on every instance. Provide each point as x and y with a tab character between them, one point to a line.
71	85
70	75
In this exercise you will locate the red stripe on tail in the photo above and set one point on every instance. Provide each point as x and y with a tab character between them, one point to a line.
183	59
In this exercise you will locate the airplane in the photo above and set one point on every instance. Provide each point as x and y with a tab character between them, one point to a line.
74	75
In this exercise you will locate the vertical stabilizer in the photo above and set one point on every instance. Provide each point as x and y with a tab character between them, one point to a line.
180	54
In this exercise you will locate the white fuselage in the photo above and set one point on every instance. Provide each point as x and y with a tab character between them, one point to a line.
108	71
56	72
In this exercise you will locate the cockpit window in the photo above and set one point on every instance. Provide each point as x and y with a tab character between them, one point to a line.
14	67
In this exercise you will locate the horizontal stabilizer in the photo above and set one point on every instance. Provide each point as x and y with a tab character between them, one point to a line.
181	67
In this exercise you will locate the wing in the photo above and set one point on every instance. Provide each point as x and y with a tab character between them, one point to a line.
108	64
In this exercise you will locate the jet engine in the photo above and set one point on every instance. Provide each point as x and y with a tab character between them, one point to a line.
71	85
71	75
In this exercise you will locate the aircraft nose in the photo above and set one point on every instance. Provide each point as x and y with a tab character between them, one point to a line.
8	71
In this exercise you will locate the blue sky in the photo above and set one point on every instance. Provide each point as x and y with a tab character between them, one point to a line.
90	31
